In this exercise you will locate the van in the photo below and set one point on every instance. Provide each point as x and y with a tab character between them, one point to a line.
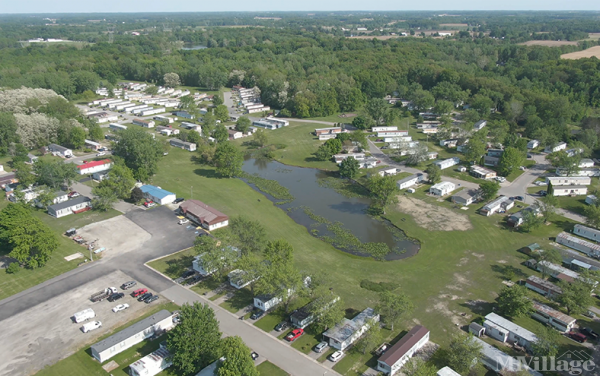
91	326
578	337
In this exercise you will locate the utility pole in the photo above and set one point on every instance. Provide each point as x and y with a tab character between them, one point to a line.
191	192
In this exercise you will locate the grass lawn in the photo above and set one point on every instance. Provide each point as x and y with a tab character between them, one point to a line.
325	355
334	119
174	265
11	284
82	363
308	340
270	320
267	368
240	300
515	174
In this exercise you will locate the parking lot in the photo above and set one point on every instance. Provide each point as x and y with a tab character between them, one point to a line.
45	333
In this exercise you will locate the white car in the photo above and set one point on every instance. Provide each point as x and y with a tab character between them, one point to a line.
183	221
91	326
100	154
336	356
120	307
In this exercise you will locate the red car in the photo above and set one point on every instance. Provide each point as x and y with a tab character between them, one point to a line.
294	334
579	337
139	292
149	204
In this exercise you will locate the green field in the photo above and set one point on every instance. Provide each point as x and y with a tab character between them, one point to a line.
267	368
11	284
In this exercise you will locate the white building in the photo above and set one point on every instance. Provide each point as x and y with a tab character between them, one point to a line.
157	194
394	358
554	148
479	125
504	330
94	166
581	245
501	203
189	146
266	302
60	151
92	145
586	163
74	206
340	157
568	180
152	364
117	127
557	319
409	181
570	190
389	172
500	362
347	332
239	278
132	335
451	143
383	129
208	217
442	189
447	163
447	371
144	123
532	144
392	134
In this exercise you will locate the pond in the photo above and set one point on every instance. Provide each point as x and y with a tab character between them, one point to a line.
331	216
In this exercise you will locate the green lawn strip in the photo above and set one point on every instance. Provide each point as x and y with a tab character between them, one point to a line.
335	118
240	300
174	265
308	340
270	321
354	360
207	285
325	355
82	362
218	295
267	368
11	284
518	172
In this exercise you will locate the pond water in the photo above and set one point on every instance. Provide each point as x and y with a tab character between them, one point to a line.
189	47
314	204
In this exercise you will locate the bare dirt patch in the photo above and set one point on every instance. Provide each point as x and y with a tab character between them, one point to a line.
118	235
549	43
590	52
432	217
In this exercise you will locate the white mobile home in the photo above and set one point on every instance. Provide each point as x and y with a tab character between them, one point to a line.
189	146
144	123
570	190
557	319
587	232
60	151
581	245
266	302
447	163
501	203
393	359
117	127
347	332
152	364
500	362
74	206
554	148
409	181
383	129
479	125
392	134
568	180
157	194
153	111
532	144
504	330
442	189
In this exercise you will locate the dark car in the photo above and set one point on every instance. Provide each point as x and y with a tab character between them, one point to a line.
115	297
254	355
282	326
178	200
151	299
256	315
519	198
144	296
194	279
578	337
188	274
590	333
542	193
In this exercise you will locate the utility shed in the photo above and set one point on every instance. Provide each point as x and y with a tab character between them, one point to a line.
347	332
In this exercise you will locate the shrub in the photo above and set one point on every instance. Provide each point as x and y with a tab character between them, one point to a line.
13	268
378	287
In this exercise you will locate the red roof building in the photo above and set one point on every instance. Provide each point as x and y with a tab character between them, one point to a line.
94	166
208	217
394	358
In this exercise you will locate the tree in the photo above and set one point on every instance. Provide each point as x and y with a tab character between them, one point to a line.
592	214
513	302
194	137
253	267
349	168
120	179
547	342
95	132
250	235
260	137
418	367
18	152
105	197
418	154
220	134
8	131
589	138
569	165
463	353
328	149
377	108
238	361
443	107
360	122
136	195
55	173
475	149
24	172
371	338
221	113
195	341
549	256
84	80
228	160
360	137
217	99
488	189
510	160
547	206
434	174
384	191
392	306
171	79
140	152
216	259
576	296
531	220
77	137
243	124
27	239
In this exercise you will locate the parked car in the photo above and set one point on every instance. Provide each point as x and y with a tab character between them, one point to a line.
589	314
149	204
254	355
281	326
590	333
151	299
144	297
115	297
321	346
183	221
382	349
522	168
336	356
188	274
120	307
542	193
194	279
127	285
178	200
100	154
73	194
519	198
578	337
91	326
256	314
294	334
139	292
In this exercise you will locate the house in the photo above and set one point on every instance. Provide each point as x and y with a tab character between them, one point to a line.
490	161
556	147
500	362
482	172
409	181
502	203
568	180
100	175
389	172
430	130
516	219
192	127
212	369
184	115
394	358
383	129
239	278
132	335
589	248
92	145
557	319
167	131
447	163
506	331
60	151
74	206
7	179
302	317
31	160
449	143
203	270
157	194
398	139
392	134
272	123
347	332
591	172
340	157
152	364
541	286
479	125
465	197
442	189
574	152
94	166
60	196
189	146
587	232
328	131
144	123
203	214
266	302
447	371
591	199
117	127
497	153
586	163
556	271
327	136
532	144
234	135
570	190
432	155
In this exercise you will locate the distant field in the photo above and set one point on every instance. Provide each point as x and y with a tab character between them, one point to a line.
594	36
380	37
454	25
592	51
549	43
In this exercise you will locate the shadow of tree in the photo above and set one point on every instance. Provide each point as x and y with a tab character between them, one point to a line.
478	307
177	266
508	271
241	299
206	172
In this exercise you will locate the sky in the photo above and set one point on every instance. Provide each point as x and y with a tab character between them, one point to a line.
113	6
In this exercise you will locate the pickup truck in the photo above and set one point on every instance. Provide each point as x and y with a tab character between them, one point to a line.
101	295
294	334
86	314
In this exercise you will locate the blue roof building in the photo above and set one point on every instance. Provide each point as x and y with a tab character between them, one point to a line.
157	194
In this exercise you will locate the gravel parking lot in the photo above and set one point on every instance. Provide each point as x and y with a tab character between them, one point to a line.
45	333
